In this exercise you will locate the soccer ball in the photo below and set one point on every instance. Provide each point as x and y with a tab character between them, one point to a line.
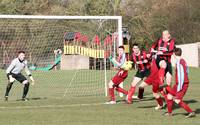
127	65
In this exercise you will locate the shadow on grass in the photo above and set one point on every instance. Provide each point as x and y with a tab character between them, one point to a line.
136	100
35	98
197	111
146	107
176	106
185	114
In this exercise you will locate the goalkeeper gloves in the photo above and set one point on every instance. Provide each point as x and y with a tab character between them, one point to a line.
110	58
113	61
33	81
11	79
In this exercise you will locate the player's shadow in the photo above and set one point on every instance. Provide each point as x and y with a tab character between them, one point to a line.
146	99
121	101
176	106
35	98
146	107
197	111
136	100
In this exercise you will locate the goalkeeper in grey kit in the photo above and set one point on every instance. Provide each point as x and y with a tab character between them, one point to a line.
14	73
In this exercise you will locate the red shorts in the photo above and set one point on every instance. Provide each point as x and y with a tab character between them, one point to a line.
153	78
181	93
154	82
117	79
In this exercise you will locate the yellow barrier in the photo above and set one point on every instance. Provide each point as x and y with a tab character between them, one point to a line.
65	50
68	49
90	52
79	50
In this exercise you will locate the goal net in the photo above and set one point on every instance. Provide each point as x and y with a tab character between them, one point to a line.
67	55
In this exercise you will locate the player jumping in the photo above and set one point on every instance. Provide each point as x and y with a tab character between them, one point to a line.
161	66
165	47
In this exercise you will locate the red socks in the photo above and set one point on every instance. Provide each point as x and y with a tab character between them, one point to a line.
111	93
181	103
161	74
119	89
170	105
141	91
160	101
130	93
185	106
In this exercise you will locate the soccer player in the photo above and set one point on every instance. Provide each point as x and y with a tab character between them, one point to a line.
161	66
178	91
119	77
14	73
165	47
142	61
153	80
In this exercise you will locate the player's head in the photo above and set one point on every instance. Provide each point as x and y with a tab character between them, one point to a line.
21	55
178	52
135	48
166	35
120	50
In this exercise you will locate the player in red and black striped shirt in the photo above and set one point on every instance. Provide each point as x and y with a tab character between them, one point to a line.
164	48
142	61
161	66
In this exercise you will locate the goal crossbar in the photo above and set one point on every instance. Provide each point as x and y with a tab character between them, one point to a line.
119	18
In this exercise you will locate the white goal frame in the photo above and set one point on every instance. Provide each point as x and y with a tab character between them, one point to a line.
118	18
50	17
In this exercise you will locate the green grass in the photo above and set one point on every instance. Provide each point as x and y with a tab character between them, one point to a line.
47	106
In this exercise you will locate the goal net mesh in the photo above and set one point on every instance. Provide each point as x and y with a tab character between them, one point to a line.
66	57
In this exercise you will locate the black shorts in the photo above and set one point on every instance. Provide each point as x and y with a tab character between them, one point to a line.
169	65
19	77
142	74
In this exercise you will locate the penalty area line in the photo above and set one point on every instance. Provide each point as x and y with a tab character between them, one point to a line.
50	106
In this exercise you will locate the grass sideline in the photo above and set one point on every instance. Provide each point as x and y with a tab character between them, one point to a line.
47	106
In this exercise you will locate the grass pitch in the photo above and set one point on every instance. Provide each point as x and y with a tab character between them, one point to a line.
67	98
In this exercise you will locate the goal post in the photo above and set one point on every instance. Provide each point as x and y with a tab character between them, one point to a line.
77	37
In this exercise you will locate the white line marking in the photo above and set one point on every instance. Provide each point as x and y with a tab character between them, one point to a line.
50	106
67	87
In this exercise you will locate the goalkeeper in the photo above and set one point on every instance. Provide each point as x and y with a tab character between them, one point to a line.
123	67
14	73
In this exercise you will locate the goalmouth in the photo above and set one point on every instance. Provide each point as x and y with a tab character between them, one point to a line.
40	39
